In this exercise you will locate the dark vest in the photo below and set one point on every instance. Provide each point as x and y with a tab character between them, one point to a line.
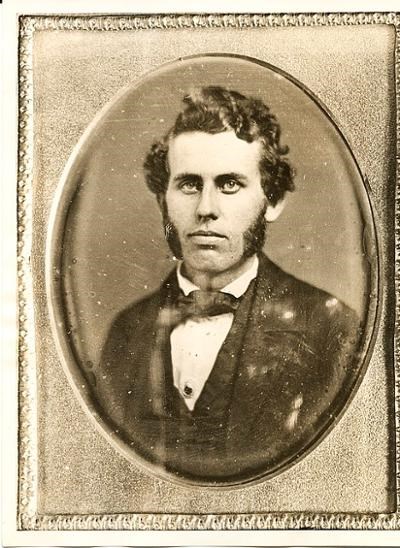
194	443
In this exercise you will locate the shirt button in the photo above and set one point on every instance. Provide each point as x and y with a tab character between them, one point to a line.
187	390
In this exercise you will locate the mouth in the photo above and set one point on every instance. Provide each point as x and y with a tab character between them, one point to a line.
206	234
206	238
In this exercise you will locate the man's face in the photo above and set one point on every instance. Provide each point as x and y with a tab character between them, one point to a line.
214	198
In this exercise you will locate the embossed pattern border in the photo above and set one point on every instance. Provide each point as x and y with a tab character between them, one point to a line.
27	517
27	420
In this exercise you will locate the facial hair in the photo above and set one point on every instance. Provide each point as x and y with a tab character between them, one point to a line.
253	237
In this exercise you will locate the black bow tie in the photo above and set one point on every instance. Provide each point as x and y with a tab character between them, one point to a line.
198	304
206	303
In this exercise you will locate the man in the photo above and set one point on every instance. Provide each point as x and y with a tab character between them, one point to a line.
234	367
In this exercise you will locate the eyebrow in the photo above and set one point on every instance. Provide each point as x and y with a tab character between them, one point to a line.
186	175
231	175
221	177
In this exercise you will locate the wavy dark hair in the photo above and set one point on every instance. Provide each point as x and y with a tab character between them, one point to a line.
214	109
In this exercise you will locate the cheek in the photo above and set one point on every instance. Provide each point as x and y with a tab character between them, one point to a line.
172	203
244	215
178	211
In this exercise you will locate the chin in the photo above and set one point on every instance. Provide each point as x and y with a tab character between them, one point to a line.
211	260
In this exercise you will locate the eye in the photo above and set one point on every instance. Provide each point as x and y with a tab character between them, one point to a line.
230	186
189	186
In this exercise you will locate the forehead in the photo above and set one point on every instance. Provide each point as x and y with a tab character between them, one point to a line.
205	153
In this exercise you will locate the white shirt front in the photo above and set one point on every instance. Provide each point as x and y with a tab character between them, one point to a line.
196	342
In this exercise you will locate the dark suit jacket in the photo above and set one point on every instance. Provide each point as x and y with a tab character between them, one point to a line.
283	373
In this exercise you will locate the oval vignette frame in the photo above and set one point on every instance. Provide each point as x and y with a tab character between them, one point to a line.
55	275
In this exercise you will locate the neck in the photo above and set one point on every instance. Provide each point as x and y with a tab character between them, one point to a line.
214	281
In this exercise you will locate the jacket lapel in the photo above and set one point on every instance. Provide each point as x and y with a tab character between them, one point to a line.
267	393
150	343
217	390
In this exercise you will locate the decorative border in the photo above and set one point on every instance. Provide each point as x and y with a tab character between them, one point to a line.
28	519
396	345
212	522
27	420
146	22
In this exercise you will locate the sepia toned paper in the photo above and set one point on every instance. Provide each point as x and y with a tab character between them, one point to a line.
70	69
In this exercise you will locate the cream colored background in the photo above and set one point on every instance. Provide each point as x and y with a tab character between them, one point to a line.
350	69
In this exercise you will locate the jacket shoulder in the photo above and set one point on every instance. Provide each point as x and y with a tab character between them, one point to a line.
145	310
302	298
290	305
137	311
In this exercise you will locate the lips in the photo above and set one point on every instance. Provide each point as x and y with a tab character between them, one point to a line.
206	234
207	238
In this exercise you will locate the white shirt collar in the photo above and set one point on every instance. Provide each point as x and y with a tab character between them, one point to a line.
237	288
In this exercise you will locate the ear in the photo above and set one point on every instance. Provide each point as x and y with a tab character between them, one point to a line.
273	211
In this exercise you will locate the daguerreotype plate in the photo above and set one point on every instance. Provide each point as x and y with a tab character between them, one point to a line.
206	251
294	354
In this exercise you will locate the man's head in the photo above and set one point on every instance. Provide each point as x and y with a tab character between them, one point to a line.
219	174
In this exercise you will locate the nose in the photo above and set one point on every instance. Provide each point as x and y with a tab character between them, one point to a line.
208	204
